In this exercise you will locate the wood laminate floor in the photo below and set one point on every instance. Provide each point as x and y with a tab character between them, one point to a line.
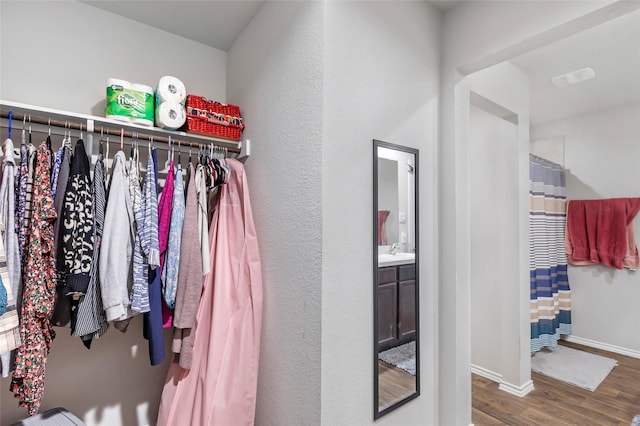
555	403
395	385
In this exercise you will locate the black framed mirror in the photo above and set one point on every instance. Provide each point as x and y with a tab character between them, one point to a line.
396	343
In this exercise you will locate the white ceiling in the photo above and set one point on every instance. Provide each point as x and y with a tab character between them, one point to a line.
213	23
612	49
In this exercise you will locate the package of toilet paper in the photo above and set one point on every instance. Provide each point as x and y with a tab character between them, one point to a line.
130	102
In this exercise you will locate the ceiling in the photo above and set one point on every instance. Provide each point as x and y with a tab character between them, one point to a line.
612	49
213	23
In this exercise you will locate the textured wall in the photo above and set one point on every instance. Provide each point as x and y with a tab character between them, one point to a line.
381	82
275	73
59	54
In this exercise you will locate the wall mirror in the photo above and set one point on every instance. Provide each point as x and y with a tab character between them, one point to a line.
395	270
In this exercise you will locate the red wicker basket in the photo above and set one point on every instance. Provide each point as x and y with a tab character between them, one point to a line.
213	118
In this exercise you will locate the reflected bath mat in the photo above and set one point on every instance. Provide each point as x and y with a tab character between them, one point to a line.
403	357
572	366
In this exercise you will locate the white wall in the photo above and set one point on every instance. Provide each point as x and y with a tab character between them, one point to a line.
493	200
472	31
601	159
275	72
59	54
381	82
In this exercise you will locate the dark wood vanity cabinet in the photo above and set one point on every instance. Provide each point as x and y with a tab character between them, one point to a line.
396	305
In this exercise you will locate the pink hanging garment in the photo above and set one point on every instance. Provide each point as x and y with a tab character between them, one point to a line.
220	387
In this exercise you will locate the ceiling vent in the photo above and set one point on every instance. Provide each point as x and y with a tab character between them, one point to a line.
574	77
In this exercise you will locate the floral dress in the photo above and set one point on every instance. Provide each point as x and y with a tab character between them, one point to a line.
39	292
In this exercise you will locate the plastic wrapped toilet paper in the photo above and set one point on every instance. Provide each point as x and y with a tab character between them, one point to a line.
144	115
170	115
170	89
115	110
129	102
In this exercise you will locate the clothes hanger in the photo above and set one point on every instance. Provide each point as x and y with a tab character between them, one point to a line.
23	140
101	140
9	124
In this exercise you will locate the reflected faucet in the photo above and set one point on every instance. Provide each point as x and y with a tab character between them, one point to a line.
394	248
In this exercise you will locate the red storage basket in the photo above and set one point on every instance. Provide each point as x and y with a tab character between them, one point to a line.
213	118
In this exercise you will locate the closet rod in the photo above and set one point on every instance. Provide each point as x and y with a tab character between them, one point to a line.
102	129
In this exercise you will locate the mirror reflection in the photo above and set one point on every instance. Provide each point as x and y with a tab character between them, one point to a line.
396	348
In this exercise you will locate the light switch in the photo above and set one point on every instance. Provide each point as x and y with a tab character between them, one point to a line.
402	217
403	237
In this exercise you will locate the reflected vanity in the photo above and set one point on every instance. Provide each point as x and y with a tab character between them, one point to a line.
395	287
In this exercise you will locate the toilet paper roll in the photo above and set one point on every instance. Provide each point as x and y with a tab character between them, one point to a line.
170	115
170	89
113	110
144	113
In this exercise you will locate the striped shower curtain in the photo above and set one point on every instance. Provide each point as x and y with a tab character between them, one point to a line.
550	294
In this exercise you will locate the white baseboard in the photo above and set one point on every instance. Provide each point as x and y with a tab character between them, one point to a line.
604	346
487	374
507	387
517	390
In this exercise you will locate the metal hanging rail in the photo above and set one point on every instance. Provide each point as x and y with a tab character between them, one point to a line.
22	113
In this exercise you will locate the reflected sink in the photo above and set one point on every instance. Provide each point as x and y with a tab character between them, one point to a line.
385	259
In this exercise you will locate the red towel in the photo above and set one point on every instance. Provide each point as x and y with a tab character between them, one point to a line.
382	233
601	231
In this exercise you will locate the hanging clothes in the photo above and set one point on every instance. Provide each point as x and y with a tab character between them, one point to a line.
91	322
172	262
36	330
189	286
220	388
152	325
203	221
116	252
164	224
28	199
550	295
62	308
9	323
21	195
77	231
140	294
57	165
7	214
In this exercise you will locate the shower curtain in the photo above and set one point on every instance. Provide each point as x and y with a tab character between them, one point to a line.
550	298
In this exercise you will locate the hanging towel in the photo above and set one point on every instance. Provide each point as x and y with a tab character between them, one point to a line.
382	233
601	231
